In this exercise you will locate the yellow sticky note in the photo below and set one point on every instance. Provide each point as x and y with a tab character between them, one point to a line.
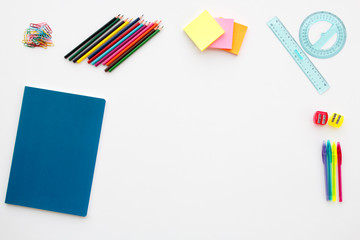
203	30
238	38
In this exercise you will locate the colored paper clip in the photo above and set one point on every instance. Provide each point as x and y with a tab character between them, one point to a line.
34	25
47	28
38	35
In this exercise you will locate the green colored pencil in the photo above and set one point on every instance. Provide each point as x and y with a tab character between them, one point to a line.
96	37
129	54
89	38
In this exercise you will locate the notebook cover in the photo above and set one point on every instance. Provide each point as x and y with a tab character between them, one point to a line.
55	151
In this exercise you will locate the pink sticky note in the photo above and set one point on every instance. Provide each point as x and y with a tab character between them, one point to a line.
225	40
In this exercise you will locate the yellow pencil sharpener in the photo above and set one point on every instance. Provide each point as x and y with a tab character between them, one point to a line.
336	120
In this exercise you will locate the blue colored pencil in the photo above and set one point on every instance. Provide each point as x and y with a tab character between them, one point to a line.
114	37
117	44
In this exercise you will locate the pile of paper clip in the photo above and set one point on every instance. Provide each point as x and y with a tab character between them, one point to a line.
38	35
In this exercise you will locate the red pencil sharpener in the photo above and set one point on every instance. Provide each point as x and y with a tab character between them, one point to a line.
320	118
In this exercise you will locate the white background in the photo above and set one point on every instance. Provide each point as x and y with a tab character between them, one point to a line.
194	145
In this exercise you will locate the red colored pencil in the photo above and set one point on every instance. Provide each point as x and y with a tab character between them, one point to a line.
115	41
130	49
108	62
131	38
154	32
119	48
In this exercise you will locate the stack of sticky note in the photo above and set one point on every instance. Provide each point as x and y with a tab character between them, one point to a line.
219	33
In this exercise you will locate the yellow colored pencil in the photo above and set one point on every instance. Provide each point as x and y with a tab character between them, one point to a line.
103	41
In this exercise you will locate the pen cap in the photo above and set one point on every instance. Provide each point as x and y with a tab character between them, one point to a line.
339	154
328	150
324	152
334	149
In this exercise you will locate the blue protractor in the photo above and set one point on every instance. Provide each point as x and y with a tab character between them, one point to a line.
337	27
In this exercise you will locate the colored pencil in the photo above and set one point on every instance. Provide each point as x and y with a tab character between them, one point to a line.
115	41
100	39
130	49
119	50
104	40
90	37
129	54
131	39
128	45
95	38
130	25
118	45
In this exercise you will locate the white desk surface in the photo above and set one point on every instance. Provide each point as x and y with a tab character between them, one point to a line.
194	145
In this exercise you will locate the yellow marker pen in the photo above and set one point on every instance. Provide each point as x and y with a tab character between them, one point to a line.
334	167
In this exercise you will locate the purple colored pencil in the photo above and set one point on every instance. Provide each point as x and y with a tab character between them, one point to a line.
131	38
111	55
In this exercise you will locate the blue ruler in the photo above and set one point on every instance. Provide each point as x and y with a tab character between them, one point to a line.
298	55
337	27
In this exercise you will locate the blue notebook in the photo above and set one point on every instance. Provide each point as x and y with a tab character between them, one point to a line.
55	151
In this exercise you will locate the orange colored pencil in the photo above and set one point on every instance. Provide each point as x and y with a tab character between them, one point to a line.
134	42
